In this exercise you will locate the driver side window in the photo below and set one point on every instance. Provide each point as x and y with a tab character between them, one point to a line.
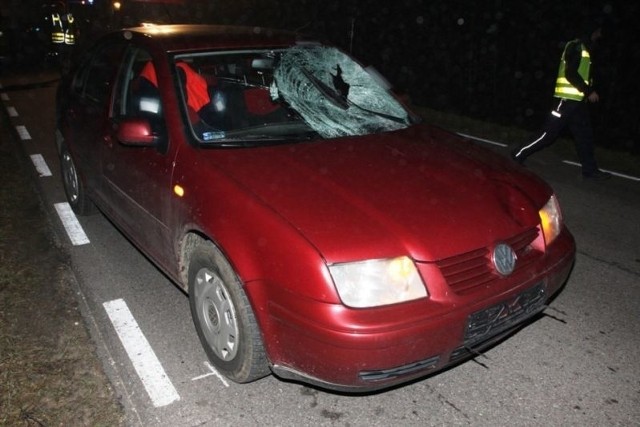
138	95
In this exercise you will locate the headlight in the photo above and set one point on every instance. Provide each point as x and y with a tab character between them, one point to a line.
374	283
551	220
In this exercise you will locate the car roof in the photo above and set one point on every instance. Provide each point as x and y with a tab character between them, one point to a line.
184	37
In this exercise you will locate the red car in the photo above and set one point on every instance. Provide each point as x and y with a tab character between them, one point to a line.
321	231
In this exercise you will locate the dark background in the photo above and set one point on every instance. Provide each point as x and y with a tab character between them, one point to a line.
494	60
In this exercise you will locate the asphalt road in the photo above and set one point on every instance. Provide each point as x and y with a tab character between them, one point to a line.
576	365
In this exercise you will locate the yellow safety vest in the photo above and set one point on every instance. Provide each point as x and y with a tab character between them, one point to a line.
69	36
566	90
57	31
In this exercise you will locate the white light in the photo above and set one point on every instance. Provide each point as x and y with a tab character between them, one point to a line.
551	219
374	283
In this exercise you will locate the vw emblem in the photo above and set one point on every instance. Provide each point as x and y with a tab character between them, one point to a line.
504	259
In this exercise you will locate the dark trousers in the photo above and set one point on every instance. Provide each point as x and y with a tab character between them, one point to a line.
575	115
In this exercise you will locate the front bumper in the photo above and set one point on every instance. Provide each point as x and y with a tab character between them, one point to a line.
343	349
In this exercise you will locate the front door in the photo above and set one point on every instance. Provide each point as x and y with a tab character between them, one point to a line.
137	179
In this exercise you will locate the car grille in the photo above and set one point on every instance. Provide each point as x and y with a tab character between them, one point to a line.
467	272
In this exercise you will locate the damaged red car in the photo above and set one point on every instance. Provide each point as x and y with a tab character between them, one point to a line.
322	231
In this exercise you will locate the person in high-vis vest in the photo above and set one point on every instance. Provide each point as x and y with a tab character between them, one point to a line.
70	30
63	38
57	29
573	91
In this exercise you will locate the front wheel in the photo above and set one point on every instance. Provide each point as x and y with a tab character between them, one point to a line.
73	188
223	317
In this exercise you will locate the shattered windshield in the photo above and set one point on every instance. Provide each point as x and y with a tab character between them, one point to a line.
304	92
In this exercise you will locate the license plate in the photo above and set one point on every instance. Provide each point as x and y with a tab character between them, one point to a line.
491	321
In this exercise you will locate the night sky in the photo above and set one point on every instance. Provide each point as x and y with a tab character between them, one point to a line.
495	60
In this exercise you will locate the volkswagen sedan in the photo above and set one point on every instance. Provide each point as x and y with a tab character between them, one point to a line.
321	230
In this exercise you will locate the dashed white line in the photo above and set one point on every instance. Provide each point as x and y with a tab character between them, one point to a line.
23	132
71	225
148	367
41	165
488	141
12	111
618	174
568	162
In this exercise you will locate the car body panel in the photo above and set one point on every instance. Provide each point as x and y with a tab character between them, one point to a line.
324	189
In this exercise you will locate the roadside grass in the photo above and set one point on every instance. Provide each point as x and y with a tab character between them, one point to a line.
49	371
618	161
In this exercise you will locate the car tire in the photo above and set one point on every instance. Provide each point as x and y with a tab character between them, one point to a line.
223	317
73	187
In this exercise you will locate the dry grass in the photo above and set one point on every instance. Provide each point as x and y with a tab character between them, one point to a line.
49	372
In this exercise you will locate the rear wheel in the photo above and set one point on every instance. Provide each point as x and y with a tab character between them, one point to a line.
73	188
223	317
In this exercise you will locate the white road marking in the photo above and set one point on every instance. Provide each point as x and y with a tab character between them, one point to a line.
23	132
41	165
499	144
618	174
12	111
213	371
568	162
71	225
155	380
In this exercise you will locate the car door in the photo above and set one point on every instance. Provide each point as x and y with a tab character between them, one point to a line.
87	109
136	178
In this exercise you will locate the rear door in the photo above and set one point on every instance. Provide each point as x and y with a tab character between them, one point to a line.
87	111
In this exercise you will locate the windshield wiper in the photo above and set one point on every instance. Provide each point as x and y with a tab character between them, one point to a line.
339	100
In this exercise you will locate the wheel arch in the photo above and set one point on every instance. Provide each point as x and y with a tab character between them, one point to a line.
193	239
59	140
189	242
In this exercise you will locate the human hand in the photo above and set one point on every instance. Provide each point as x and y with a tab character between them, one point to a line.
593	97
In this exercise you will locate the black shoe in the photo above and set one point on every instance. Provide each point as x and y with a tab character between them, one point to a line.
597	175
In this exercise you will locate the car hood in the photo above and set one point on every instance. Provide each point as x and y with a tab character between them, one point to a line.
419	191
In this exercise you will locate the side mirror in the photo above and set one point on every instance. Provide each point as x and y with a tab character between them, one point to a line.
137	132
